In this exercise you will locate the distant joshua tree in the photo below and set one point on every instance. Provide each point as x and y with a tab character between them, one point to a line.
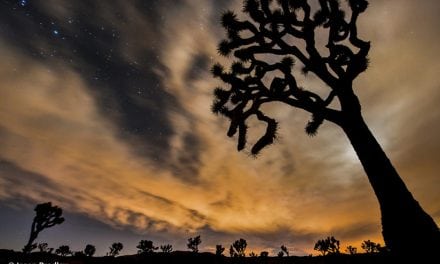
238	248
351	250
193	243
89	250
63	251
370	246
330	245
166	248
115	249
284	250
219	249
253	255
278	42
146	246
46	216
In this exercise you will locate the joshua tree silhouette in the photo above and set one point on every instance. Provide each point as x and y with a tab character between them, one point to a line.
285	32
146	246
370	246
166	248
284	251
351	250
193	243
330	245
46	216
219	249
238	248
115	249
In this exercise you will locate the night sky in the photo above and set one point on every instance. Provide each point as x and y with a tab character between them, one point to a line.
105	111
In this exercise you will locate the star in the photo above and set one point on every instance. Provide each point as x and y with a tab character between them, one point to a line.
23	2
139	91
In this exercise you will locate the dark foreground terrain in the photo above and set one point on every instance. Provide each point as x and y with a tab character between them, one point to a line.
12	257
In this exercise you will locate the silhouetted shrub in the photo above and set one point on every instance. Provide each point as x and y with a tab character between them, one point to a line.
166	248
193	243
89	250
115	249
330	245
63	250
351	250
370	246
238	248
146	246
284	250
219	249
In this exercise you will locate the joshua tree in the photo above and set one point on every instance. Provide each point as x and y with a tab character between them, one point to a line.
89	250
330	245
351	250
146	246
238	248
115	249
219	249
253	255
281	36
284	250
193	243
166	248
321	246
63	251
370	246
46	216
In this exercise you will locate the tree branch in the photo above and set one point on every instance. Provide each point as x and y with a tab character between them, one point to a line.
273	23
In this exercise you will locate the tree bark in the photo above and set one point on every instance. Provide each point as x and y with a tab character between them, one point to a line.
406	227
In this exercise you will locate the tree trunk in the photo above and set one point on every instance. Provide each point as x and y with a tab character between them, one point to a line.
28	247
33	235
406	227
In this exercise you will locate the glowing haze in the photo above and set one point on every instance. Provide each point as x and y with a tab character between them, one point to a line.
105	111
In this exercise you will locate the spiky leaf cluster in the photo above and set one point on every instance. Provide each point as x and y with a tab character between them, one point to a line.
47	216
266	32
